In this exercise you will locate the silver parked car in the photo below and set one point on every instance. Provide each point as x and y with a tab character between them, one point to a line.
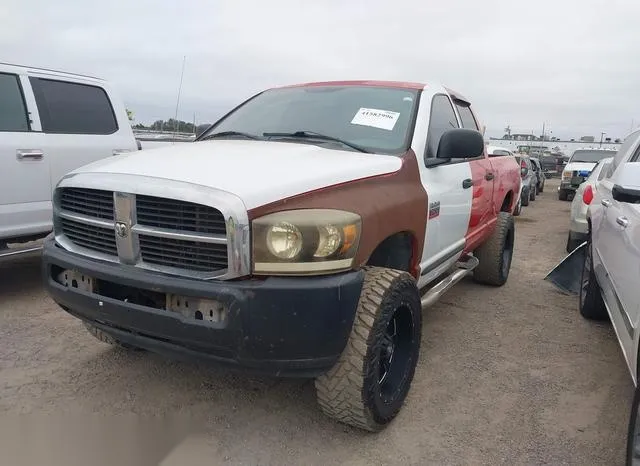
578	226
610	281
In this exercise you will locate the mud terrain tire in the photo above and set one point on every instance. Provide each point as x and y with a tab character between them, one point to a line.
368	385
496	253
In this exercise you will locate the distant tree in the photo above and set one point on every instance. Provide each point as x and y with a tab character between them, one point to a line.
130	115
617	141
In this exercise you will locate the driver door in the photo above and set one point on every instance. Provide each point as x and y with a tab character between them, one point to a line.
449	190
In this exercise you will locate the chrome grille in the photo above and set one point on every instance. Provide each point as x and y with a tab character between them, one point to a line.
192	255
91	237
179	215
164	234
90	202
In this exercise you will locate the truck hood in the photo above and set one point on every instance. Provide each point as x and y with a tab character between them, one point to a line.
259	172
580	166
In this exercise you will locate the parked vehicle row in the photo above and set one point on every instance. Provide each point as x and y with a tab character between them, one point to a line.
51	123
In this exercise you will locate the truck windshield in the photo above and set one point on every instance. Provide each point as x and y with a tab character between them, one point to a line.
376	119
590	156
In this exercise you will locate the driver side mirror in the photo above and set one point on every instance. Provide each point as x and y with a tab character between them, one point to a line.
626	195
460	143
627	186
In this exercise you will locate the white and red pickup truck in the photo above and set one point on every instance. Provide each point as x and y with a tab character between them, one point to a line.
301	235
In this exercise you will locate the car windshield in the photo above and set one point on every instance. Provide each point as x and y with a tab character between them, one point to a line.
590	156
376	119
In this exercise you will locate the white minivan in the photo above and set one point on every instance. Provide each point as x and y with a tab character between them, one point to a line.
51	123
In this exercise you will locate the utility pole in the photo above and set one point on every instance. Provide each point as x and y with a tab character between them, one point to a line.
184	59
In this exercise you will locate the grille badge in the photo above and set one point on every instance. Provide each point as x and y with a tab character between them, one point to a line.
122	230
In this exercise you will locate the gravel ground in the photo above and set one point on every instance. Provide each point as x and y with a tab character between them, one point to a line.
506	376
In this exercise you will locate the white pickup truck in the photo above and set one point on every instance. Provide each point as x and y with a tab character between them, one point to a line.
51	123
302	235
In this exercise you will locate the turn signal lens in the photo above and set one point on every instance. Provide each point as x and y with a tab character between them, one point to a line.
587	195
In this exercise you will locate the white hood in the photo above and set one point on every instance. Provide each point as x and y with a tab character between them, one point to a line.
259	172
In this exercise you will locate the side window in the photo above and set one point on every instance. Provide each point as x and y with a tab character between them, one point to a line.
636	156
13	111
443	118
72	108
466	116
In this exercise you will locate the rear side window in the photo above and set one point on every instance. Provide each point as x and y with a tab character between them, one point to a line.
72	108
466	116
603	170
13	112
443	118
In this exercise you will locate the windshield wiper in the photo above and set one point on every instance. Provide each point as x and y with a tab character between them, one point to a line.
223	134
314	135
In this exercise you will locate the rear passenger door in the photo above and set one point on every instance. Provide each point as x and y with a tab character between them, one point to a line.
80	123
484	175
25	191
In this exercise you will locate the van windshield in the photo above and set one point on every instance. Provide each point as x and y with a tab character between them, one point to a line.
377	119
590	156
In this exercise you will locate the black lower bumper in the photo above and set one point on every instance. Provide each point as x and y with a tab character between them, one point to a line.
278	326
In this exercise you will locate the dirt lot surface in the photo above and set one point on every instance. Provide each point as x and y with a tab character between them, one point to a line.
507	376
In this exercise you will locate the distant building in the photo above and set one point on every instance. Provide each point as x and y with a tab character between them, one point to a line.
523	137
587	139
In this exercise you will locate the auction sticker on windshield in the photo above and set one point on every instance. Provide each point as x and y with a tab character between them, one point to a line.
383	119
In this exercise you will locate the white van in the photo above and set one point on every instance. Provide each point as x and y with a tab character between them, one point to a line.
51	123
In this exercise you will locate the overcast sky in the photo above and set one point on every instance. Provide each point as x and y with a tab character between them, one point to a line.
571	63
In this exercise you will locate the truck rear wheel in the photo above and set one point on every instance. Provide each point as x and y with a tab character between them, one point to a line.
496	253
106	338
369	383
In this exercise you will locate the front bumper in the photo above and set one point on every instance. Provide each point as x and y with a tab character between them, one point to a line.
277	326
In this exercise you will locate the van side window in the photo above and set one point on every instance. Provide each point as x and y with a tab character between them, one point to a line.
13	111
468	121
73	108
442	119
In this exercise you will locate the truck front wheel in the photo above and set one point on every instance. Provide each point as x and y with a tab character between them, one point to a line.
496	253
369	383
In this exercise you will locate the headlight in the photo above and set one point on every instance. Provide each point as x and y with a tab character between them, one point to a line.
308	241
566	175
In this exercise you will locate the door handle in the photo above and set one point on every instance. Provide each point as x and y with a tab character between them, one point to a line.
489	176
606	202
467	183
29	154
622	221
